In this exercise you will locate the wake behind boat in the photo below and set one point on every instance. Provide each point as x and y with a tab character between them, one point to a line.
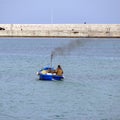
48	73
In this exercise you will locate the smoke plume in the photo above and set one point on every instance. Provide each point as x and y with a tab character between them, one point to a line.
66	49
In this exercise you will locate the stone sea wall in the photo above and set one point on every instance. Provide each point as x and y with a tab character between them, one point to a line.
61	30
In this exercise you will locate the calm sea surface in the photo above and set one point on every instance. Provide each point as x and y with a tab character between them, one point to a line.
90	90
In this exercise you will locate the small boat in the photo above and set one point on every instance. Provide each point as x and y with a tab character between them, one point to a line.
45	75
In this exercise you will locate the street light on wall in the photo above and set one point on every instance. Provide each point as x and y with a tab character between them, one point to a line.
51	16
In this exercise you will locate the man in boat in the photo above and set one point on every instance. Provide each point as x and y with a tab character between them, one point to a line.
59	71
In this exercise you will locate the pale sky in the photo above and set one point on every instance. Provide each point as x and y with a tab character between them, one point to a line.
59	11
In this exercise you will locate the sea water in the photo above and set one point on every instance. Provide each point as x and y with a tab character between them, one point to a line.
90	90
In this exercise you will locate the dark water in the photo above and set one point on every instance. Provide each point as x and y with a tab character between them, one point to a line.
90	91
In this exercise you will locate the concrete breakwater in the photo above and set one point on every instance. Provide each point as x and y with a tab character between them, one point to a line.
61	30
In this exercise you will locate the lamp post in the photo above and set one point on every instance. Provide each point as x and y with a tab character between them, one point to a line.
51	16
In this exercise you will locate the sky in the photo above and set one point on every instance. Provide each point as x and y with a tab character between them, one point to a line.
59	11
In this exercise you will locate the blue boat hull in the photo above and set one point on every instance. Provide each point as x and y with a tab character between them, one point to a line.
50	77
45	76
